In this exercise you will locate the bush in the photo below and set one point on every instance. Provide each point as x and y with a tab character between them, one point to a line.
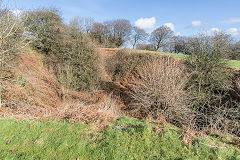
148	47
125	61
45	26
78	69
69	51
156	85
210	83
159	90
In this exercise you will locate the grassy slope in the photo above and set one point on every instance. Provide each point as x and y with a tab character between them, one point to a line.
232	63
135	139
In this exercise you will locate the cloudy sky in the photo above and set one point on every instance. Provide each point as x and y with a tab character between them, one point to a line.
184	17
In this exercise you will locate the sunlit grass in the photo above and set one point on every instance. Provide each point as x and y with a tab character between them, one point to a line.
126	138
234	64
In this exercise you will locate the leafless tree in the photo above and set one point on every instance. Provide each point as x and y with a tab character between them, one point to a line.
236	51
179	44
12	38
83	24
99	33
117	31
122	31
225	42
111	33
138	35
161	36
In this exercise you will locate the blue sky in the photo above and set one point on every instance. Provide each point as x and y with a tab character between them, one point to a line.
185	17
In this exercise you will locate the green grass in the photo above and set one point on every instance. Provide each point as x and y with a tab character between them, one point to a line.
126	138
232	63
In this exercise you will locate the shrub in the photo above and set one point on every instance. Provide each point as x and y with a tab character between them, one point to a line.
211	82
44	27
77	65
148	47
159	90
125	61
69	51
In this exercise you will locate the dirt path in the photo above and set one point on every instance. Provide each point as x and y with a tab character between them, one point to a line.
108	51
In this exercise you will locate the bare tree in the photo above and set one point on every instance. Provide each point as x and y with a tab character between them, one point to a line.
179	44
161	36
83	24
236	51
117	32
12	40
111	33
225	42
138	35
99	33
122	31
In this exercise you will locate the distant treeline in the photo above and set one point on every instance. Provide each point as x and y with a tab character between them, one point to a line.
120	32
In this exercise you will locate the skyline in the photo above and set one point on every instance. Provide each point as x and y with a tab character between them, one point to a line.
184	17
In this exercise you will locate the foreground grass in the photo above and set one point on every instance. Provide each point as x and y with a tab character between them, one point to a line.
126	138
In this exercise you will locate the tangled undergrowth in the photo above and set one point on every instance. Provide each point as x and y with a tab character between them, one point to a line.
165	87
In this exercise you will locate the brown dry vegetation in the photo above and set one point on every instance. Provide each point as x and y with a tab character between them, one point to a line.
39	94
159	90
35	92
141	86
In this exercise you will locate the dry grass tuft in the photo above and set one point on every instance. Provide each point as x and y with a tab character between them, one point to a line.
105	109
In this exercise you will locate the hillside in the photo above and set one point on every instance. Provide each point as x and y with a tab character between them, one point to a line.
37	122
234	64
69	89
35	93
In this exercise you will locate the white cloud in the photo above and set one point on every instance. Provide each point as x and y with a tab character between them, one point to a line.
178	34
212	31
215	30
148	24
232	20
170	25
196	23
17	12
233	31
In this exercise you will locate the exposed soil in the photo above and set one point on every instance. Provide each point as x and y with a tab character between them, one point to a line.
108	51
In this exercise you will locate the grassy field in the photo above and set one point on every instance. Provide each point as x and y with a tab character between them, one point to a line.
232	63
126	138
